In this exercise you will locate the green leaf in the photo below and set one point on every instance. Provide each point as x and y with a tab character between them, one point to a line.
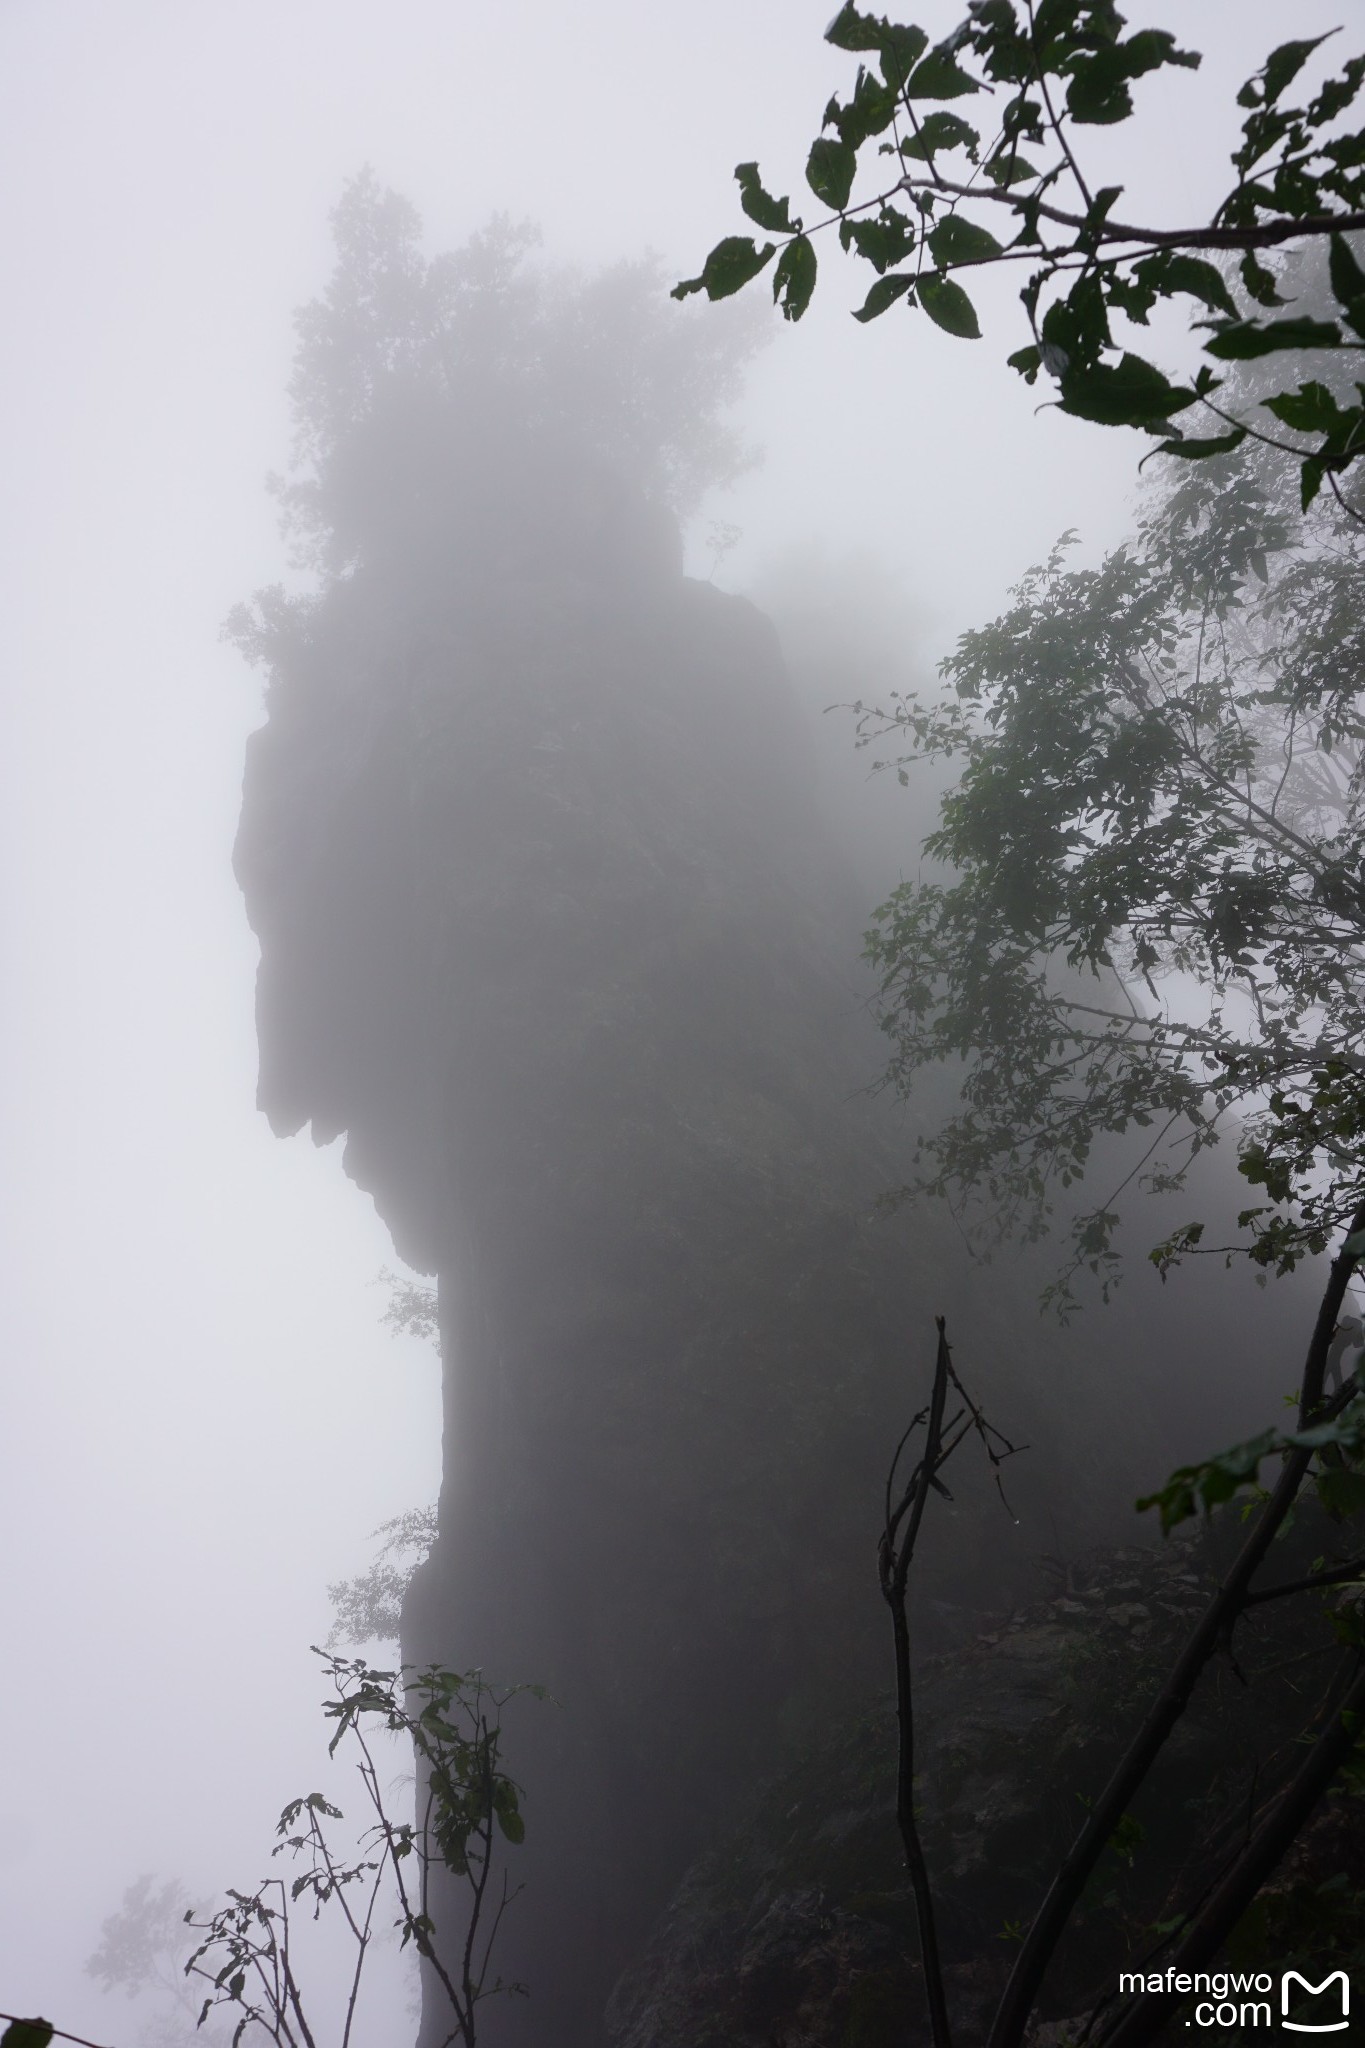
1028	362
1345	1432
957	240
27	2034
1348	282
1194	450
512	1824
902	46
1341	1491
1211	1482
1197	280
939	77
1075	329
899	45
884	294
729	267
829	171
1129	393
949	307
1335	96
1245	339
794	277
1348	279
770	213
1098	94
940	131
1310	480
1260	282
1280	69
1006	169
884	242
851	30
870	111
1310	410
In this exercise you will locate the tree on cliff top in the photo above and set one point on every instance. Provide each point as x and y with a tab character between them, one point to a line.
399	341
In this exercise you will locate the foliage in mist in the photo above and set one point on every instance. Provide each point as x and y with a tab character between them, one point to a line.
1160	788
412	1311
410	368
143	1951
369	1607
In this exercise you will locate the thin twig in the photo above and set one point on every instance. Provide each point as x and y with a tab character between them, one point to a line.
1340	1575
1263	236
894	1560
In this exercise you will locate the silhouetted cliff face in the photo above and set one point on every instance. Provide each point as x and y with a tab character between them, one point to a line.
552	928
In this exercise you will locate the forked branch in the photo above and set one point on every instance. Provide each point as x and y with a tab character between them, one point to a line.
895	1555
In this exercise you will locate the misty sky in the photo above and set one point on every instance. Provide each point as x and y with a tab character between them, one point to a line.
202	1419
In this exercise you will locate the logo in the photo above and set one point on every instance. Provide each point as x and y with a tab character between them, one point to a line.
1225	1997
1324	2026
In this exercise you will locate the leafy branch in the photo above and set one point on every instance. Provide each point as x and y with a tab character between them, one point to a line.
1055	66
467	1806
1341	1489
1160	790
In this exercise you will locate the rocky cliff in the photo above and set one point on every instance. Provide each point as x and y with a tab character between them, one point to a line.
553	928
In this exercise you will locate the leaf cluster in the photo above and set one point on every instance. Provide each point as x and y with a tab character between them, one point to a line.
956	195
412	1311
368	1608
1144	904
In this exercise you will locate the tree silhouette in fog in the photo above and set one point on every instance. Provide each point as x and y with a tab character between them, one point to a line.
406	362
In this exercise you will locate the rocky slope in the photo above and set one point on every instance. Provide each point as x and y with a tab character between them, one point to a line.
797	1930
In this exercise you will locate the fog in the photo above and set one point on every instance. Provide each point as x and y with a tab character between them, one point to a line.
203	1416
